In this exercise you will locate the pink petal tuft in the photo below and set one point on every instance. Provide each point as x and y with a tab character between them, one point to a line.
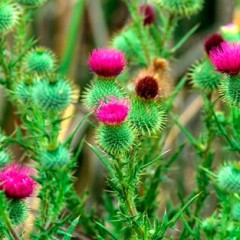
107	63
16	182
113	112
226	58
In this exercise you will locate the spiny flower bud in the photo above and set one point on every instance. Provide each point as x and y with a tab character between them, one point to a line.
226	58
236	212
40	61
8	15
51	95
115	139
212	42
146	116
148	11
147	87
16	182
23	92
113	112
101	90
182	8
55	158
128	42
31	2
229	179
4	158
230	90
18	211
107	63
204	76
230	32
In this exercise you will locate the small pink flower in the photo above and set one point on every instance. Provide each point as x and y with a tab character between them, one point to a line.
113	112
149	14
226	58
16	182
107	63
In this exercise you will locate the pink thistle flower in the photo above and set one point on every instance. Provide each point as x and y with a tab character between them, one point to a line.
107	63
226	58
16	182
212	42
113	112
149	14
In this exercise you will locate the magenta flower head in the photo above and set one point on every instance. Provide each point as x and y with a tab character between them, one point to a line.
113	112
16	182
148	11
212	42
226	58
107	63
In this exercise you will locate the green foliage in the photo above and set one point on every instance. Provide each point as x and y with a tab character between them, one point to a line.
236	211
52	95
115	139
209	226
9	13
31	2
181	7
204	76
229	179
101	89
230	89
40	61
4	158
146	117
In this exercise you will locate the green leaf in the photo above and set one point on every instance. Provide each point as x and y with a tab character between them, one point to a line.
185	38
70	138
184	130
107	231
103	160
180	212
68	234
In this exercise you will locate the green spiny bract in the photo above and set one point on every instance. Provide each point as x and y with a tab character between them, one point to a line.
115	139
22	92
236	211
230	33
204	76
50	95
101	89
18	211
31	2
229	179
209	226
181	7
230	89
8	15
4	158
56	158
40	61
128	42
146	116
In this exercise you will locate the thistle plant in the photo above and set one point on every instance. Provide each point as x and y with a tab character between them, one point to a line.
131	108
